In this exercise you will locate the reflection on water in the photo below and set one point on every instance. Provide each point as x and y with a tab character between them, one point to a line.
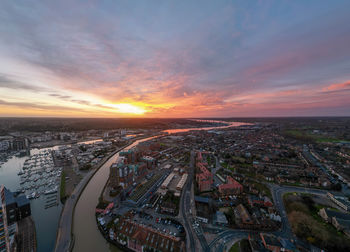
228	124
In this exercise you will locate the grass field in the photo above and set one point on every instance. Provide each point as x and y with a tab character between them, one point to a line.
63	187
306	135
235	247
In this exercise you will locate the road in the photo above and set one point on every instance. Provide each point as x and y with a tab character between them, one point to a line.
285	231
184	208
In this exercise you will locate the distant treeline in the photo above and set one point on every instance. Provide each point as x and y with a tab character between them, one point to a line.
82	124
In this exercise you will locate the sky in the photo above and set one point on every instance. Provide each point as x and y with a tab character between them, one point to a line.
174	58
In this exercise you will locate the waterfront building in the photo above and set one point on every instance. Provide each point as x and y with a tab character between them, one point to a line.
2	232
16	225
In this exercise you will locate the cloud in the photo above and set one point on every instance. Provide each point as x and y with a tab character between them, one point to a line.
220	58
38	106
6	82
337	87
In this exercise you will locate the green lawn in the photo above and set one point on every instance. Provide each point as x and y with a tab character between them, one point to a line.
235	247
299	134
63	187
263	188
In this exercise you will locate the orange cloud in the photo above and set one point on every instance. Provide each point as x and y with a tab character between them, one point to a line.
337	86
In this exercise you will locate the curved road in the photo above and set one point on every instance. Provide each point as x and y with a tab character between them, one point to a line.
277	194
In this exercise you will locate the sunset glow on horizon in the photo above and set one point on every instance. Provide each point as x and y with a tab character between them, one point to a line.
174	59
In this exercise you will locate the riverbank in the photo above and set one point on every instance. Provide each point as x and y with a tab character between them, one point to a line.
51	144
64	236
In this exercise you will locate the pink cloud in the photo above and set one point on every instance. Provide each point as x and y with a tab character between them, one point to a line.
337	86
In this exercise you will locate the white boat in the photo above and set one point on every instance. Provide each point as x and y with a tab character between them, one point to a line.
53	190
32	195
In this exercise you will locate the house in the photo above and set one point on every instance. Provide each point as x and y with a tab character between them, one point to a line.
255	200
267	202
138	237
231	187
271	242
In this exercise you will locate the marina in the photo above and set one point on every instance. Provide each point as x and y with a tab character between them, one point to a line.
36	176
39	176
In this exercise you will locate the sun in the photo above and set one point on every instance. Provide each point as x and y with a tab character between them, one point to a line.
127	108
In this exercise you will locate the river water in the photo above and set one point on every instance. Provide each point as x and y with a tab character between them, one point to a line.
86	233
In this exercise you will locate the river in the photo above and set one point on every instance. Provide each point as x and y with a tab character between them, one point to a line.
87	235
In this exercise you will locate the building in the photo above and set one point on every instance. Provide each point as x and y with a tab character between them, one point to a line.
2	232
341	221
13	211
150	161
138	237
124	174
114	175
167	181
275	244
204	177
340	200
182	182
168	207
231	187
220	219
9	143
271	242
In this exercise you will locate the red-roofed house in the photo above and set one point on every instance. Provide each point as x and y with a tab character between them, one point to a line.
231	187
204	177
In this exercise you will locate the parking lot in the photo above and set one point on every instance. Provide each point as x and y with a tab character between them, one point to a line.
164	225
